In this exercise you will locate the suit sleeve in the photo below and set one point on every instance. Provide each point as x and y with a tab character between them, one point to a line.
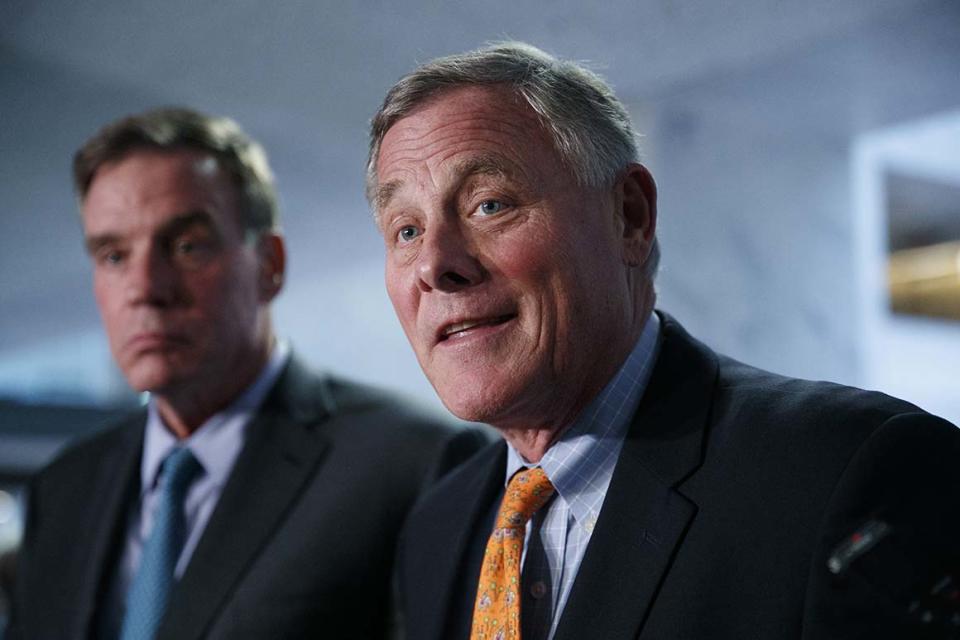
890	538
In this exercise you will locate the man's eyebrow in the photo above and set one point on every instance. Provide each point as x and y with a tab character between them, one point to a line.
171	227
95	243
484	164
385	193
186	220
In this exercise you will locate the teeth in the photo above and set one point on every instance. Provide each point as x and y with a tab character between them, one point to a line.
463	326
470	324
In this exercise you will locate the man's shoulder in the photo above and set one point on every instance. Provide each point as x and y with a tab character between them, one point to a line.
89	450
382	411
369	421
788	422
754	396
303	391
768	391
360	398
818	411
818	428
470	480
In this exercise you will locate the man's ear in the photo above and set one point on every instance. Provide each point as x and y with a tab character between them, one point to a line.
637	204
272	261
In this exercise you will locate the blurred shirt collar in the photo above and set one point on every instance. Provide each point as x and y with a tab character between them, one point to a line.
218	441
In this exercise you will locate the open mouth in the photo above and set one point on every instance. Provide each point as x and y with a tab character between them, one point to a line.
459	329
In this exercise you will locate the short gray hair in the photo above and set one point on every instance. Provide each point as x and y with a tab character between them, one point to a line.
589	126
174	128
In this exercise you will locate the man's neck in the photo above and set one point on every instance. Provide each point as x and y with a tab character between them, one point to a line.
532	440
186	410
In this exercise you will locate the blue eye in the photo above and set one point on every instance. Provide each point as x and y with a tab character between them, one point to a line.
490	207
408	233
110	257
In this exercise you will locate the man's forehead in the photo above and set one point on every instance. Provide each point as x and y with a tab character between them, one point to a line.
466	131
155	186
495	107
185	160
146	167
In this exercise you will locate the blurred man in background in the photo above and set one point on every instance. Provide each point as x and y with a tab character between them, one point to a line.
252	498
646	486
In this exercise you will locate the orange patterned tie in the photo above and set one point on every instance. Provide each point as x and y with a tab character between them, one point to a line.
496	615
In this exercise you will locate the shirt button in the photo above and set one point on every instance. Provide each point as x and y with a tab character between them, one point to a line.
590	524
538	589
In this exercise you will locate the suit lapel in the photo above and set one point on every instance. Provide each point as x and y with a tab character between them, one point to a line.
644	515
115	482
282	450
448	581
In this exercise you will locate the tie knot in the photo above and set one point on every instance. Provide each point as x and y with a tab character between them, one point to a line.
179	470
527	492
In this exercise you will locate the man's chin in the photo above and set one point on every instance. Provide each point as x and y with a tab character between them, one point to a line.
473	404
153	380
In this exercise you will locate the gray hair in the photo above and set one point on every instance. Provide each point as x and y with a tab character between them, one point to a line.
173	128
589	126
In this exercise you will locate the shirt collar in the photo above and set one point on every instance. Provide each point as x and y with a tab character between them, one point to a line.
218	440
581	463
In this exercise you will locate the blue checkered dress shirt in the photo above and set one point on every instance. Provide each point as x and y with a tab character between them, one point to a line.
580	466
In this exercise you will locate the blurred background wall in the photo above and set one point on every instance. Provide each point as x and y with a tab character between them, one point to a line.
772	127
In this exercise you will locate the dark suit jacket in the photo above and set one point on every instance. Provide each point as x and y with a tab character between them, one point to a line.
300	544
733	487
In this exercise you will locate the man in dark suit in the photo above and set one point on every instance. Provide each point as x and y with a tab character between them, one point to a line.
252	498
646	486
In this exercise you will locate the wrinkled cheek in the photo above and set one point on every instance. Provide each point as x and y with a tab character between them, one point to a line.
406	310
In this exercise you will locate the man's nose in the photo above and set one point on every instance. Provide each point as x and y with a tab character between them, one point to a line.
152	279
448	261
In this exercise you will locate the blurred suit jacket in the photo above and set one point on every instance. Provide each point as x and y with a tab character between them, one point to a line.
733	488
301	543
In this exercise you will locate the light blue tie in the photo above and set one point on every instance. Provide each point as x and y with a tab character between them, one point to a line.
147	598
